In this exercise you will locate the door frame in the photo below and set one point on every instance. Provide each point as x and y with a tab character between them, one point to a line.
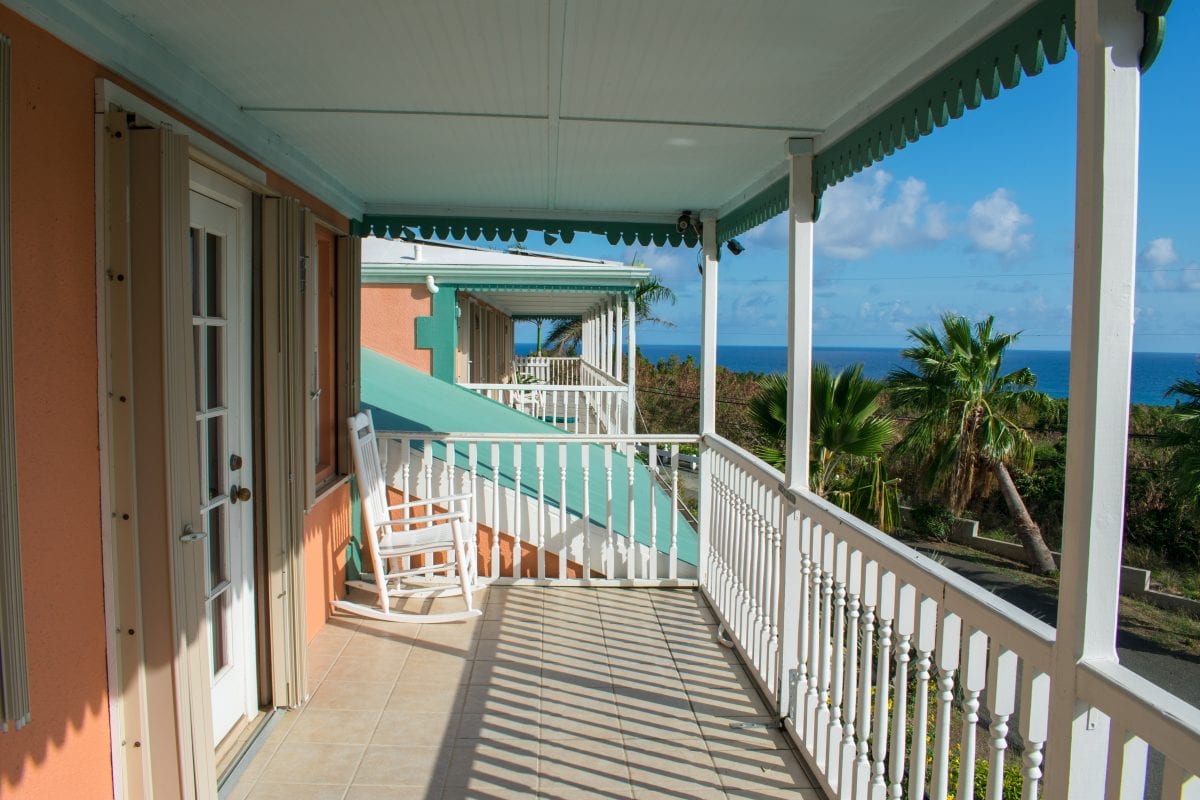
160	708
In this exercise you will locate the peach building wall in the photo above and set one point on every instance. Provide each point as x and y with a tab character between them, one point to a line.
389	326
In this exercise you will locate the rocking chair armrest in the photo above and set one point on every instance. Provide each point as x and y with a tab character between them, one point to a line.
444	516
431	501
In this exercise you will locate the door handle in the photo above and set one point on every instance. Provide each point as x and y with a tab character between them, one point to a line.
190	534
237	493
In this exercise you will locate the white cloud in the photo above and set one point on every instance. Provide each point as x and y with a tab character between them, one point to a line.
1184	279
668	263
1160	253
864	214
996	224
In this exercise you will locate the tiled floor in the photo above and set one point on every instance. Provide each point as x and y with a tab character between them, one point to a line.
559	693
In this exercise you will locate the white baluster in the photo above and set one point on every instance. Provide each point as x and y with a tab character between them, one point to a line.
631	543
925	639
883	684
1001	701
540	530
775	587
972	676
850	693
1178	781
828	553
947	663
813	699
585	463
610	548
518	503
652	460
834	737
674	559
800	690
906	600
562	512
1035	718
495	453
870	600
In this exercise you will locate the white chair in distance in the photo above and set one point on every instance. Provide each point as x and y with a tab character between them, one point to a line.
397	535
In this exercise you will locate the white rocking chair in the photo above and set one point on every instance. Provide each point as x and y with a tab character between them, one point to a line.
393	541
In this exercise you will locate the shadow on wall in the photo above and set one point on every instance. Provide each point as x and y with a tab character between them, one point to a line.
328	531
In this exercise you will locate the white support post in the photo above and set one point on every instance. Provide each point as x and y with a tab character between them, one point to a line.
1108	40
631	424
620	336
801	208
608	336
708	328
585	348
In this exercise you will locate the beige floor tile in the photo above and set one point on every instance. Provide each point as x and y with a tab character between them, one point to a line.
487	766
505	673
577	767
727	733
417	767
728	702
335	726
580	721
350	695
388	793
311	762
295	791
415	728
511	723
658	723
357	668
482	699
680	765
416	696
771	773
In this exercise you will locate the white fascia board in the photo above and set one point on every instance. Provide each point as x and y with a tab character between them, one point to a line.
776	173
496	212
100	33
565	277
973	31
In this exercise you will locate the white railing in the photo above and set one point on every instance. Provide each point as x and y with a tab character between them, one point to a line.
575	409
894	673
558	509
556	370
591	375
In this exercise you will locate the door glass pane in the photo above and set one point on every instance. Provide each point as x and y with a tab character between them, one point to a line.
197	268
216	457
198	364
217	571
218	612
213	357
213	275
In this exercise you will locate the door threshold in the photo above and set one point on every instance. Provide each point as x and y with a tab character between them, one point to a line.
240	745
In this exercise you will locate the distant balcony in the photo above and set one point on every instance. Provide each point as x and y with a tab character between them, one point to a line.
567	392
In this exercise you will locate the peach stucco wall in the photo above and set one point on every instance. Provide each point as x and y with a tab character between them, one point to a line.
389	322
327	530
64	752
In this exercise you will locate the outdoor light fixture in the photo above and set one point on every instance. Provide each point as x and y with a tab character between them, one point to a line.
550	238
735	247
685	221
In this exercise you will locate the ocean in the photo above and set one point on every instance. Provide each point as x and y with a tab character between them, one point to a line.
1152	372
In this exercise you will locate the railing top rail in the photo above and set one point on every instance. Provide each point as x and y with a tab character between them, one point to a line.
1169	725
547	358
542	387
1032	638
556	438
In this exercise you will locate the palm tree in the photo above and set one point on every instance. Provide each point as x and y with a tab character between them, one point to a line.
566	334
969	417
848	435
539	322
1184	437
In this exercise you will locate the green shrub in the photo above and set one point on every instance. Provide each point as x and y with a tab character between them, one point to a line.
933	521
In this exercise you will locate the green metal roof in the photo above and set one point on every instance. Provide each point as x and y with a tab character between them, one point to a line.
405	399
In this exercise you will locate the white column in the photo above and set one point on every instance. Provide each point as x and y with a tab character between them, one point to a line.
608	335
620	333
587	336
1108	40
631	425
801	207
708	328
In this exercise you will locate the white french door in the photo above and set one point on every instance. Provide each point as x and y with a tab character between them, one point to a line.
220	271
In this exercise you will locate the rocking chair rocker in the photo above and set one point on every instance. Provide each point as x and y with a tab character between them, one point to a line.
393	542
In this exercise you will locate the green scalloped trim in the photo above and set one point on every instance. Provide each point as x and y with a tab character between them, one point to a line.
1154	30
765	205
1041	34
512	228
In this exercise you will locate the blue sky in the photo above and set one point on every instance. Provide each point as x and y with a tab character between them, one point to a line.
976	218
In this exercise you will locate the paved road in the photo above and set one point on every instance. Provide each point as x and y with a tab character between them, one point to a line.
1177	673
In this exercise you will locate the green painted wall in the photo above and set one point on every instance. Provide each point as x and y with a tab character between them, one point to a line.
439	333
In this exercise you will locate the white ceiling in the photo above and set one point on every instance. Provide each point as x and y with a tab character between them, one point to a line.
592	105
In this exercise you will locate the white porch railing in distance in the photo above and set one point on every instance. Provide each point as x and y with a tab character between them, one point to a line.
591	375
554	370
621	517
903	668
574	409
